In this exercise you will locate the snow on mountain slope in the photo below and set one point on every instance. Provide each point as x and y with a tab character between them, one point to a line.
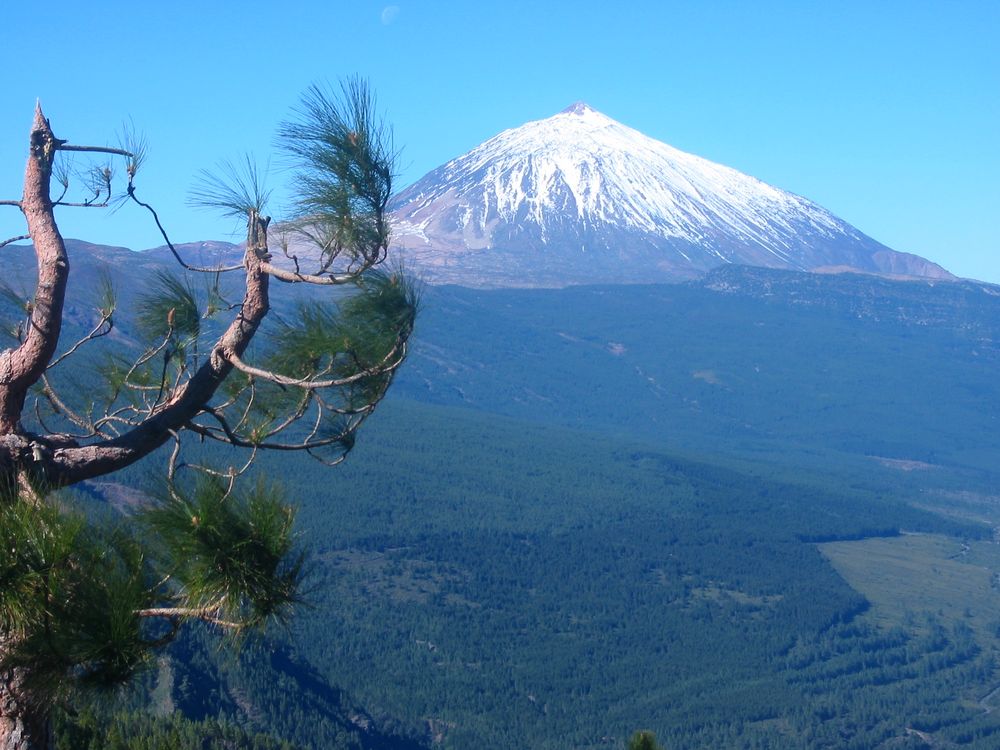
581	198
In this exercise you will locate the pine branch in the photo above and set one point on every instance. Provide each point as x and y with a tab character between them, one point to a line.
389	363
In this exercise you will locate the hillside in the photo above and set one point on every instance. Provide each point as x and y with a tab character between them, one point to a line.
593	509
770	365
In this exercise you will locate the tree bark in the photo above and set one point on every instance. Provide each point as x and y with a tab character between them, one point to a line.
24	725
20	368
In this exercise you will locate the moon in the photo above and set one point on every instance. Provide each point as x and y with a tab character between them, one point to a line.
389	14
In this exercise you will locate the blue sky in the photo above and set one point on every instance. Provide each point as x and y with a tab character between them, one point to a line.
886	113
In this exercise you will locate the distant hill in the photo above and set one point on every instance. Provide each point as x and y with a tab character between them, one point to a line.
747	360
579	198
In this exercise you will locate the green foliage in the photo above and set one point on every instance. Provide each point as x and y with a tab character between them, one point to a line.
384	312
170	307
107	295
345	165
84	605
230	552
69	595
346	355
235	190
356	336
135	143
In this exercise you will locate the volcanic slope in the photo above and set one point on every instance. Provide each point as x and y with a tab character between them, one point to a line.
580	198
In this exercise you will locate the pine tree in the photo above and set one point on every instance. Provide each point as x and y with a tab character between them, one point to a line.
82	605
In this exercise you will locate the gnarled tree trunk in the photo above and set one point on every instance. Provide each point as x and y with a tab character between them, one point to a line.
24	724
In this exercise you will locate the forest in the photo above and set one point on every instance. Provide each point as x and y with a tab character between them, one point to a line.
578	514
540	587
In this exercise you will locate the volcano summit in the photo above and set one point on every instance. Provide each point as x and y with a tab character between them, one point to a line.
579	198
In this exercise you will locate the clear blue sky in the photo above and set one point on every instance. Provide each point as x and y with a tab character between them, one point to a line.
887	113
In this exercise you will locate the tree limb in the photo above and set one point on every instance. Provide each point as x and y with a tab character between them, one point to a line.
173	250
205	614
63	146
16	239
293	277
21	368
385	366
74	464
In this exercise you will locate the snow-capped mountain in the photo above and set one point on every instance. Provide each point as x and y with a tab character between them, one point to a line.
581	198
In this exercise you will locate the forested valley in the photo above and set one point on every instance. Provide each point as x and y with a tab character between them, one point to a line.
711	523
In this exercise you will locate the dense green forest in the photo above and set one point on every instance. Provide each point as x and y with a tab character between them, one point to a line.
480	580
571	589
589	511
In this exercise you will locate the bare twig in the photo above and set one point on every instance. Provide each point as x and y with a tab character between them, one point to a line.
60	407
231	474
225	435
96	333
82	204
173	250
95	149
15	239
327	461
